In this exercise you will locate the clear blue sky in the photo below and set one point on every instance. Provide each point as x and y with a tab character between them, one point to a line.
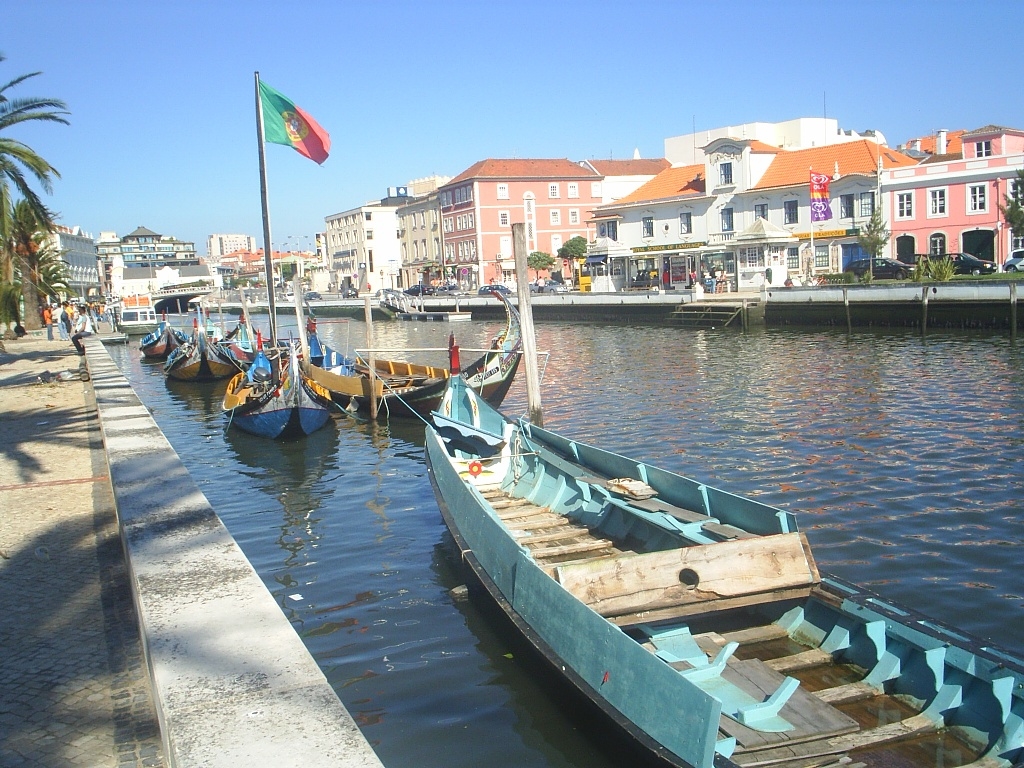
161	97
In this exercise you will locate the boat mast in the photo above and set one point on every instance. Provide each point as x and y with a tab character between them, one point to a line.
267	253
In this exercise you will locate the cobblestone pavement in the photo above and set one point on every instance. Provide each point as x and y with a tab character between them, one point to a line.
73	684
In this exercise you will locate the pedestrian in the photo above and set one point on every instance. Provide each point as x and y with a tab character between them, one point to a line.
48	321
83	329
65	322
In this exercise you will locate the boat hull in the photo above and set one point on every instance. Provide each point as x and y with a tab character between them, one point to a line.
199	360
294	406
638	585
161	343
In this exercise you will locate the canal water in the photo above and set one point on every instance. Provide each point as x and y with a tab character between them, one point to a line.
902	457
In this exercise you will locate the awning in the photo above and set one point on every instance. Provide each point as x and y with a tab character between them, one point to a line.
596	259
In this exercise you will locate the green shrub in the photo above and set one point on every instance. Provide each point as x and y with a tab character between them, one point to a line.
941	269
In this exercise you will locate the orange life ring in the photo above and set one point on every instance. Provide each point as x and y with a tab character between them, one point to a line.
475	468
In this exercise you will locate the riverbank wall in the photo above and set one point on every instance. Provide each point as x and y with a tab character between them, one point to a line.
233	683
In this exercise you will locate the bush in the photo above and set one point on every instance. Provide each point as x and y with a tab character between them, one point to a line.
941	270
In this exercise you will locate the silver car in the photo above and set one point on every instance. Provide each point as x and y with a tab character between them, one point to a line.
1015	263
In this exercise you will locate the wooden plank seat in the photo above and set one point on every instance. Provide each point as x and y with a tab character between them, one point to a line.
694	579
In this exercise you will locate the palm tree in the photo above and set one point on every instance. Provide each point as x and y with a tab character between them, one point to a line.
37	260
18	162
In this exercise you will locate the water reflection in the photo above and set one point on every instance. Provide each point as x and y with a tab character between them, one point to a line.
900	456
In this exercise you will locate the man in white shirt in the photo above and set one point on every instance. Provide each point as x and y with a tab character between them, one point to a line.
83	328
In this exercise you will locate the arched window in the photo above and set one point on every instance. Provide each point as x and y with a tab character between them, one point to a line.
937	244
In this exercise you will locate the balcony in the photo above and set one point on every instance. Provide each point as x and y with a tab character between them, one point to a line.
721	238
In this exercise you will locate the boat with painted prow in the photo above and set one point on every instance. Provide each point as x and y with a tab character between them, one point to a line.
159	344
277	399
697	620
201	358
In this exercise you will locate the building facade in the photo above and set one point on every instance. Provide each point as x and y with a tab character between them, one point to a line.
419	232
363	244
78	251
220	245
950	202
478	207
744	212
143	248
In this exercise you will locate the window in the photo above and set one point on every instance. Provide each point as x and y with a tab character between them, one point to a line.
937	244
556	217
977	199
367	215
752	257
553	191
761	211
820	255
905	205
503	191
867	204
502	218
846	206
727	219
573	189
791	214
685	223
1017	190
574	216
369	234
595	189
983	149
936	202
613	230
725	173
793	258
648	223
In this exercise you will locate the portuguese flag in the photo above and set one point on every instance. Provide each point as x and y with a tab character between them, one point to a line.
285	123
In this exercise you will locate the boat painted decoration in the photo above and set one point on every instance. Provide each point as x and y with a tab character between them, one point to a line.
199	359
405	389
159	344
276	399
697	620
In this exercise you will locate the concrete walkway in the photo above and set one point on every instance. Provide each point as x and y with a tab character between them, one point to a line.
73	686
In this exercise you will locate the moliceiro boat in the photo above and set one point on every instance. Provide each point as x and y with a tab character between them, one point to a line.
276	398
159	344
697	621
201	358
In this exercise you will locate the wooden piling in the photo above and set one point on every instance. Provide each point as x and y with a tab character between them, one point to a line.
533	407
372	362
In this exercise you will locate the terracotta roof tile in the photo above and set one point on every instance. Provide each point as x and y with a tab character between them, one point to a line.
954	143
523	169
643	167
684	181
793	167
760	146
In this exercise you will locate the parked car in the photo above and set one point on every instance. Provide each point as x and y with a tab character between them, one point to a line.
349	293
549	286
419	290
886	269
1015	263
485	290
449	289
313	296
968	264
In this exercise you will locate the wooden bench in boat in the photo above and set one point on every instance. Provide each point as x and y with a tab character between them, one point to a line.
634	588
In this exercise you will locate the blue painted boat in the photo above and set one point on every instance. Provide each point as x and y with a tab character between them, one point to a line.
159	344
697	621
276	399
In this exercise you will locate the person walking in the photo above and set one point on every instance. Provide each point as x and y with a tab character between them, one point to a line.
83	329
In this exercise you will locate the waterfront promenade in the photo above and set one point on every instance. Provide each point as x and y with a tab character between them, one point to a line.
73	684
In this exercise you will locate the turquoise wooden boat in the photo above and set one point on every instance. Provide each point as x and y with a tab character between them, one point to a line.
697	621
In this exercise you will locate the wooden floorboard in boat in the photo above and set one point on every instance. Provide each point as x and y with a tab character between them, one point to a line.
810	658
758	634
811	718
842	694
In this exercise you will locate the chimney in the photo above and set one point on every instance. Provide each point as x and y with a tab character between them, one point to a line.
940	143
916	146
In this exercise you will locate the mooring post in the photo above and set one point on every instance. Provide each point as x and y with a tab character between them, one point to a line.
1013	309
846	304
924	309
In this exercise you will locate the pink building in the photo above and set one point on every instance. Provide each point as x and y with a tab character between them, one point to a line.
950	202
553	198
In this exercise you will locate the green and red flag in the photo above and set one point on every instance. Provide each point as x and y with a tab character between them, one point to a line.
285	123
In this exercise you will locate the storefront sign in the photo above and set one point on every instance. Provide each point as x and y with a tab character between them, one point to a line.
829	233
672	247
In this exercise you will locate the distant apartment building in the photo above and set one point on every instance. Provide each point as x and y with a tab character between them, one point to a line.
219	245
78	252
143	248
478	207
362	243
949	202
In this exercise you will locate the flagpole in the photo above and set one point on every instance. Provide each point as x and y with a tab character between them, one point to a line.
267	253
